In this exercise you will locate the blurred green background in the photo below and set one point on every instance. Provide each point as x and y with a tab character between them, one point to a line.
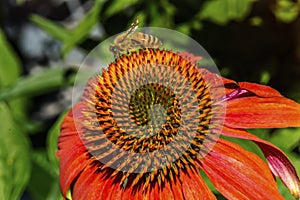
43	42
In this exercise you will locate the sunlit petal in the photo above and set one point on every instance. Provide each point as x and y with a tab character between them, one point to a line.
277	160
239	174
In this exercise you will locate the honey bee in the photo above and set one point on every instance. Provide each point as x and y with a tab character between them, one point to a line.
131	41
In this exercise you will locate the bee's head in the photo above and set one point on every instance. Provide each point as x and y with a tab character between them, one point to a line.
114	49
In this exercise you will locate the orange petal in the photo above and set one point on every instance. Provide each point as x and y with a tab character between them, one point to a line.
95	185
277	160
239	174
257	112
81	172
259	90
88	185
72	153
194	187
188	185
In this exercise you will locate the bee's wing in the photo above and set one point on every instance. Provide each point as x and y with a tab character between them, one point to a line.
131	29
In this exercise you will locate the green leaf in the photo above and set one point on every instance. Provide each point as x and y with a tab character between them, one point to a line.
10	71
256	21
15	162
20	2
9	63
53	29
222	11
39	83
286	11
83	29
54	192
43	183
52	140
161	10
286	138
261	133
265	77
117	6
184	28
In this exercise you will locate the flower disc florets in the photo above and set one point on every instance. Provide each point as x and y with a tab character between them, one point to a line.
149	114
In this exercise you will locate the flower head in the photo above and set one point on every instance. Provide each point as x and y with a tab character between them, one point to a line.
151	121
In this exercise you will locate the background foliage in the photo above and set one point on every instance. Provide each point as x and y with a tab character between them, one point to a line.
250	40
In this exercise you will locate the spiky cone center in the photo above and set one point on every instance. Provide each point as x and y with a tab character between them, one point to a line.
148	115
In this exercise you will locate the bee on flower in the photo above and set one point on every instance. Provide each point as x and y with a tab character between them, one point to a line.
131	41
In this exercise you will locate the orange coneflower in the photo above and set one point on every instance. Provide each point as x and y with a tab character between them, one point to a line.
151	121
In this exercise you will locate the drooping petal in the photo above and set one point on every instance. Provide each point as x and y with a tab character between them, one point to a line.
277	160
239	174
258	112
